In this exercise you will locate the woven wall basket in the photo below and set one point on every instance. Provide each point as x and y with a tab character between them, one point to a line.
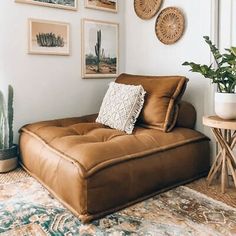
146	9
170	25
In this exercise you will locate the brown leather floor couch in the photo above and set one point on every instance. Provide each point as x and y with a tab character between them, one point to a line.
94	170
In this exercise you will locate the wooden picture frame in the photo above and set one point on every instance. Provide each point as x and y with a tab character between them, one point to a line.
70	5
100	49
48	37
104	5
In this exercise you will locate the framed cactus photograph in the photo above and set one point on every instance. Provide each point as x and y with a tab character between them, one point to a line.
63	4
100	49
49	37
104	5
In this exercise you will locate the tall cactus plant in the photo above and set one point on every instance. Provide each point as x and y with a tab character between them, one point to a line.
10	114
98	49
6	120
3	123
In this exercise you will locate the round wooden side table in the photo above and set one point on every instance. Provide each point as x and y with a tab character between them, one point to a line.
224	132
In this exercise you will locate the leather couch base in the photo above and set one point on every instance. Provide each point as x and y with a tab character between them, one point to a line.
116	186
86	218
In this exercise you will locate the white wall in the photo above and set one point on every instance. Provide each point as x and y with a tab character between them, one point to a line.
233	28
48	87
145	54
227	23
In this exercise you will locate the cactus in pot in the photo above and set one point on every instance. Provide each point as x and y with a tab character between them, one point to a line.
8	150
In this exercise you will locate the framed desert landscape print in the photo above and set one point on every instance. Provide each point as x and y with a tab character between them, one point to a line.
105	5
49	37
100	49
63	4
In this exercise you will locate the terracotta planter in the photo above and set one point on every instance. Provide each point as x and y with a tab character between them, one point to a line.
225	105
8	159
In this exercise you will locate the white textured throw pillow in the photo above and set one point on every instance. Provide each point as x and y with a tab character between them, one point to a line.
121	106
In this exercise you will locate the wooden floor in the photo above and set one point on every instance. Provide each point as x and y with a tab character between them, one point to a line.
214	191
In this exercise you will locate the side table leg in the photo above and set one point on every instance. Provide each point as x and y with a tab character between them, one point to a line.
227	174
232	171
214	170
214	165
223	171
228	157
217	163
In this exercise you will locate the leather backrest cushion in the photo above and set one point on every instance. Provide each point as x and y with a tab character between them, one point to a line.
163	93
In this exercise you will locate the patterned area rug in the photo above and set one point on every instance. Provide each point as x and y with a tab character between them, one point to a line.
214	190
26	209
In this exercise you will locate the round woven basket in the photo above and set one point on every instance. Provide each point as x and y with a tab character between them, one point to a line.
146	9
170	25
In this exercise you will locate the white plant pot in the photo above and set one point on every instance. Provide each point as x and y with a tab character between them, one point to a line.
225	105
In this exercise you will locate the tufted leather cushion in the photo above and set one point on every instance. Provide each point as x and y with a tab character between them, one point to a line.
94	146
163	94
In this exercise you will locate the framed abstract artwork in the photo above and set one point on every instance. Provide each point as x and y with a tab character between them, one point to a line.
100	49
48	37
105	5
63	4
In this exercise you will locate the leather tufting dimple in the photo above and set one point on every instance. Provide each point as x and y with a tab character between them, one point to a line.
85	128
95	146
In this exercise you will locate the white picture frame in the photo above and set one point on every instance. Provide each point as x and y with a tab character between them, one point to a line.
67	5
106	65
104	5
48	37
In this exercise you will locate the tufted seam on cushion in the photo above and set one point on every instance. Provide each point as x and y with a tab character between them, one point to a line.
94	134
73	131
41	127
61	122
71	127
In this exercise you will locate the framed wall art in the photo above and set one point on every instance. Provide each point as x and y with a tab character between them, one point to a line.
105	5
100	49
63	4
49	37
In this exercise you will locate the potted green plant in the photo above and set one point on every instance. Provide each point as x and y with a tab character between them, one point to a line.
8	150
224	76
